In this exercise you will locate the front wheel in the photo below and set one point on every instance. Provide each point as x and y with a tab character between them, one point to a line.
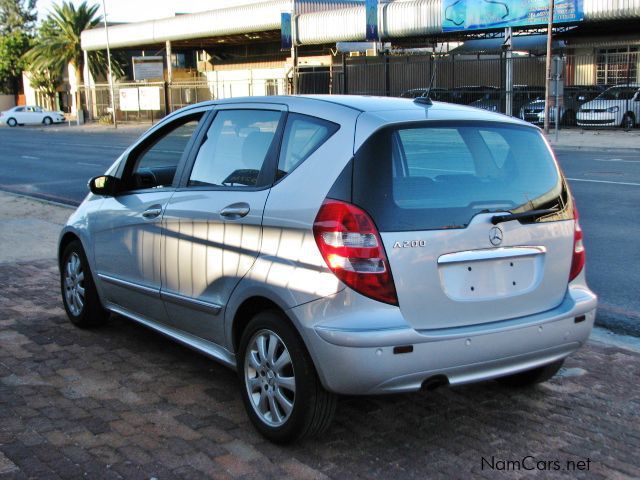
628	121
47	121
281	390
532	377
79	293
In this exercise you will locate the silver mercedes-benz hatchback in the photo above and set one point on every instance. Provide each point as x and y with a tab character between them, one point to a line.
337	245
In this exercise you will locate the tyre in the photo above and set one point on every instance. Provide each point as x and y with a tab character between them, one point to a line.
569	119
281	390
12	122
47	121
532	377
79	293
628	122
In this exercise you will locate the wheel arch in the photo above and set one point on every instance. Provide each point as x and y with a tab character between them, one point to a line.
247	310
65	240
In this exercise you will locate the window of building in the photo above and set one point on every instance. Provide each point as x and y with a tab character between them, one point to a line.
615	66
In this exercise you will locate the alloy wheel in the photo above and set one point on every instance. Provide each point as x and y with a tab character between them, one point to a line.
269	378
74	284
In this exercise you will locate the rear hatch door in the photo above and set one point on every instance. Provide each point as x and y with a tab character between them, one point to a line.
435	191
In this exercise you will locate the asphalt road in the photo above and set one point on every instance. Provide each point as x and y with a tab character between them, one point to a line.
55	163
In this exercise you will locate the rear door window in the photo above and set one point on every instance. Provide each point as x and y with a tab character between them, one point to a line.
423	177
235	149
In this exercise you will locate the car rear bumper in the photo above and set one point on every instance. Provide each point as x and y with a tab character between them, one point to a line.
363	361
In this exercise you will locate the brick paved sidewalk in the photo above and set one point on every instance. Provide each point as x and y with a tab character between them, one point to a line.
123	402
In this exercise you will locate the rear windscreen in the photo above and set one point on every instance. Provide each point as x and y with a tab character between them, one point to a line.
419	177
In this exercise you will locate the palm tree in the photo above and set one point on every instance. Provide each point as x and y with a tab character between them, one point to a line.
58	45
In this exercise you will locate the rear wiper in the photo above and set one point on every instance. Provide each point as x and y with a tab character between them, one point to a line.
519	216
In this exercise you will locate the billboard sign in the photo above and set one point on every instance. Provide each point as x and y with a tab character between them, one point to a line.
149	98
148	68
129	100
462	15
371	8
286	40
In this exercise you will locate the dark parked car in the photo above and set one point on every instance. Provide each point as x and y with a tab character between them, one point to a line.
439	94
574	97
522	94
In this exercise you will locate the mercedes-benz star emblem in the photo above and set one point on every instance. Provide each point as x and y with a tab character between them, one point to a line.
496	236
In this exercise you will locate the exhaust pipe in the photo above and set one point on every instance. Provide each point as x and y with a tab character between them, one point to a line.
434	382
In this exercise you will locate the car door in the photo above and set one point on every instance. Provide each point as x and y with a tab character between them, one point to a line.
212	226
128	230
20	115
31	117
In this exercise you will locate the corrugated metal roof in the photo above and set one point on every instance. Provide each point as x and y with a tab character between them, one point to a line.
317	22
256	17
595	10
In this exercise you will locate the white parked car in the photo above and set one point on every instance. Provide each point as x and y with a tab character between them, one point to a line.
30	115
616	106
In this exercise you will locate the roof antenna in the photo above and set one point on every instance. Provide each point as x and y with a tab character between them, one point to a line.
425	98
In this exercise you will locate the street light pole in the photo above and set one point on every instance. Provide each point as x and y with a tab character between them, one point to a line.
547	90
113	98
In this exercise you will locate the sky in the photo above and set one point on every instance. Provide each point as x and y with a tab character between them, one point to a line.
138	10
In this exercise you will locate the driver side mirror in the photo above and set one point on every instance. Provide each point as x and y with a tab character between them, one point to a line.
105	185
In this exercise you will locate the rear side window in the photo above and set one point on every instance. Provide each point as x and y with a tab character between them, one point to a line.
423	177
303	135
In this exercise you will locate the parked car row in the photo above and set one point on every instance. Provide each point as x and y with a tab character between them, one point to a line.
583	105
30	115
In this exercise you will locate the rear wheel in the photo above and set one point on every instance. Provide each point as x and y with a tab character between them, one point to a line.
628	122
280	387
79	293
47	121
569	119
532	377
12	122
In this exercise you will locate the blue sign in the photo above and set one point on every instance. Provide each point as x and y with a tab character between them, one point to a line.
371	8
286	40
460	15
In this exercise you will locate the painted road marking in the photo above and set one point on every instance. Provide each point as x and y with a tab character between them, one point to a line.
603	181
620	160
29	157
89	164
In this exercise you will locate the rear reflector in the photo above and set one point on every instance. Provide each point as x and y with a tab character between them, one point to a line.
350	244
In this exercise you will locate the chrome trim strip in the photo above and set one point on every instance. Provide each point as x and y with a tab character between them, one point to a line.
188	302
152	292
198	344
490	254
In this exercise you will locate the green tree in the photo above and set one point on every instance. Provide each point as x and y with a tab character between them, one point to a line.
58	45
17	19
17	15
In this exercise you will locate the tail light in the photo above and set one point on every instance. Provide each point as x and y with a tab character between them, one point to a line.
350	244
579	254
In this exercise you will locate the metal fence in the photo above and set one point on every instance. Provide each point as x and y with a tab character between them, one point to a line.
478	81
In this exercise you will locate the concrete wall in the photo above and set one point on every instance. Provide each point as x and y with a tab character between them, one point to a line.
7	102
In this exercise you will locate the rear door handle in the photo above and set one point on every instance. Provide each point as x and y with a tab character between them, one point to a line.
152	212
235	211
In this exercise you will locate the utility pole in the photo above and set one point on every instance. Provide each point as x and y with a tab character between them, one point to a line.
547	91
113	97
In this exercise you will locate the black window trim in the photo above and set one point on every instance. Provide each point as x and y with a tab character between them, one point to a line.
267	174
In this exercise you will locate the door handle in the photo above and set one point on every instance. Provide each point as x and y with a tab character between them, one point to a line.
152	212
235	211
